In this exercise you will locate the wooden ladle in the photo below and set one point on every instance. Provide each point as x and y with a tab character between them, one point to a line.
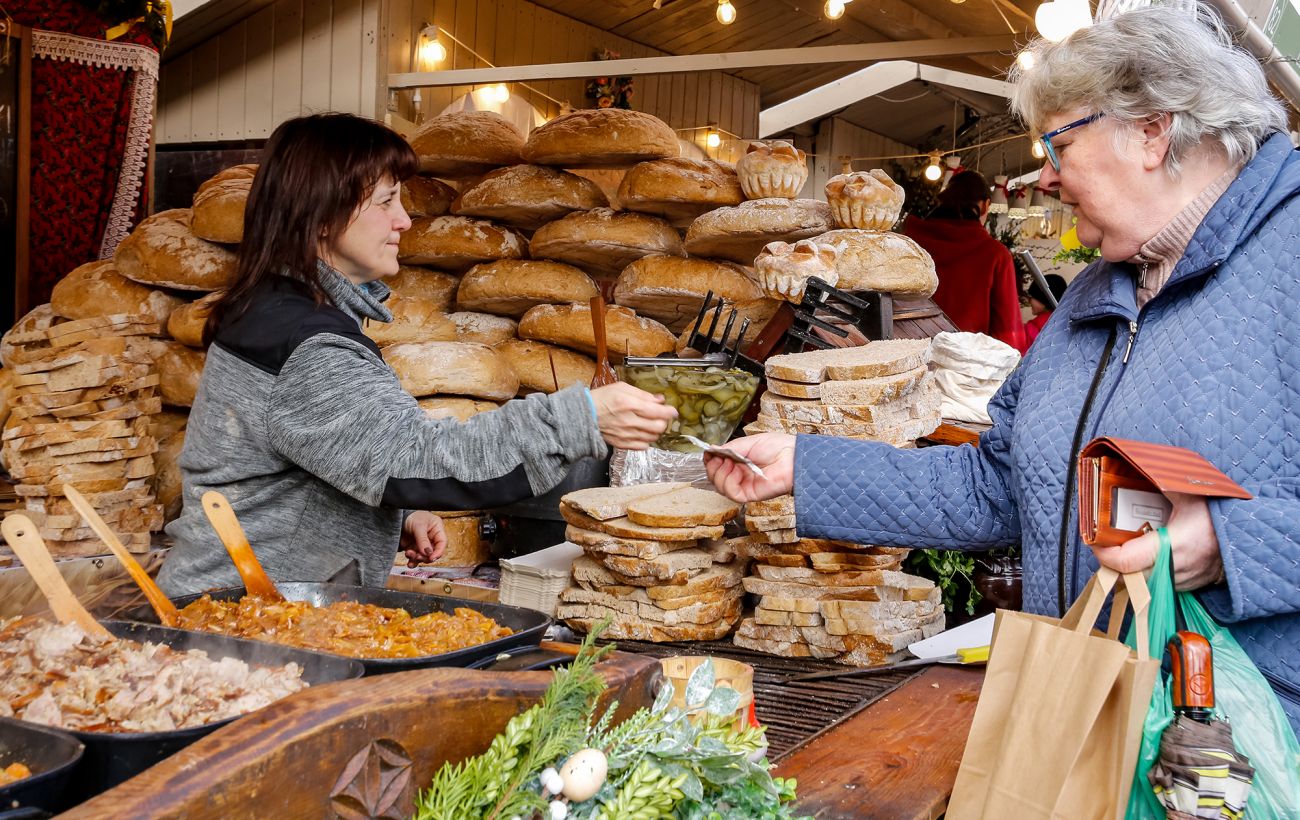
167	615
604	371
24	538
223	520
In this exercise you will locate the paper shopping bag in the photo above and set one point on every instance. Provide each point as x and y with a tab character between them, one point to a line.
1059	720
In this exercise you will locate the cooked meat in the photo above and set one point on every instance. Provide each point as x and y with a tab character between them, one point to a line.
344	627
58	675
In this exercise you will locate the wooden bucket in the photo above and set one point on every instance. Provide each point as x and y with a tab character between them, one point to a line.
726	672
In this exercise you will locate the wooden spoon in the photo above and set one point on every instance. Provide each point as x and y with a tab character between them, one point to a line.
167	615
604	371
222	518
25	540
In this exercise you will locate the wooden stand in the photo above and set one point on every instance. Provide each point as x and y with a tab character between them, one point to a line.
358	748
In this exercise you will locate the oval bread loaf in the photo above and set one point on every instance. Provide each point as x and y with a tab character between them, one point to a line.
426	196
458	368
187	321
511	286
414	320
218	213
529	196
97	289
180	369
570	326
466	144
533	363
456	243
679	188
162	251
483	328
882	261
671	289
435	286
603	241
600	138
740	233
454	407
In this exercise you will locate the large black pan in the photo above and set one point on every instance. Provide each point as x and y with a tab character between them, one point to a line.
528	625
113	757
49	753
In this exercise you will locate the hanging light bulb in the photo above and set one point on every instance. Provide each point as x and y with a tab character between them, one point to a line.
432	51
1026	59
834	9
933	171
713	139
726	12
1058	19
1036	148
498	93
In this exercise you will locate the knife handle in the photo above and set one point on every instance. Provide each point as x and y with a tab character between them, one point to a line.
974	654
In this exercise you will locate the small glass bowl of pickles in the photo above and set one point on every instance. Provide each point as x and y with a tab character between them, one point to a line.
710	397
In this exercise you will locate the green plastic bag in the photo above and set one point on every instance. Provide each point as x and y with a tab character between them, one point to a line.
1260	729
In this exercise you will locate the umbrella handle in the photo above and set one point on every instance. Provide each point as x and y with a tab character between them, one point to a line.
1192	675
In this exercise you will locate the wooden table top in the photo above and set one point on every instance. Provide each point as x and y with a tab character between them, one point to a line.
897	758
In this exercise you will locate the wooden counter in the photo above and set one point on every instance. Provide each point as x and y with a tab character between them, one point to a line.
897	758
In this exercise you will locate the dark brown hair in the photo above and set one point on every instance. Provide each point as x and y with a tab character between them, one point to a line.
962	198
315	172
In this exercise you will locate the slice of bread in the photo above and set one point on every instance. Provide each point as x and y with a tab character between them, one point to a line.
624	528
668	566
603	542
716	577
869	361
627	628
604	503
687	507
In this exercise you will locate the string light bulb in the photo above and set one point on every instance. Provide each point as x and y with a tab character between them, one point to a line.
498	93
432	51
1058	19
1026	59
713	139
933	171
726	12
1036	148
834	9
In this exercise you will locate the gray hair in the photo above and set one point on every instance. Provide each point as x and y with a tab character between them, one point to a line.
1152	61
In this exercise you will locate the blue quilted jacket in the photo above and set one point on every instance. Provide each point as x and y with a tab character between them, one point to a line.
1211	363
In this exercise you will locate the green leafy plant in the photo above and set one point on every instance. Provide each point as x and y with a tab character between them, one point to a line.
952	571
1082	255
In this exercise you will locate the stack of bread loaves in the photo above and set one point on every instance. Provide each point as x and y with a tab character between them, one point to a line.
880	391
84	395
829	599
653	563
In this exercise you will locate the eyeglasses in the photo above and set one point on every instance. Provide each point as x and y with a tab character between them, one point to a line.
1046	139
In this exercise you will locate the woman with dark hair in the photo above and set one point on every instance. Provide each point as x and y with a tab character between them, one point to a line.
328	463
1039	305
977	279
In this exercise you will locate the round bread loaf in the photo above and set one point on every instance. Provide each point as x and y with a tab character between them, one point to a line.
772	168
533	362
218	213
455	243
167	423
570	326
671	289
783	269
868	200
511	286
434	286
455	407
167	478
414	320
600	138
163	252
426	196
529	196
179	370
38	318
467	144
187	321
758	311
739	233
603	241
679	188
96	289
483	328
459	368
882	261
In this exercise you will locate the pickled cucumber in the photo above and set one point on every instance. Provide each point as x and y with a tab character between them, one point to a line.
710	401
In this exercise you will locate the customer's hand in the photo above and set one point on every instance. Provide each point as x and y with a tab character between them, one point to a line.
1195	551
423	538
630	418
773	452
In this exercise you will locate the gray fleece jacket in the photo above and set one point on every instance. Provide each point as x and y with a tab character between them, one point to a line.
307	432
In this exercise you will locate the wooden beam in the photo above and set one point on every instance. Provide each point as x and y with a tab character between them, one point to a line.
731	61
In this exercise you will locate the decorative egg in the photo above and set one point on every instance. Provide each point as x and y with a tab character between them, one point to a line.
584	774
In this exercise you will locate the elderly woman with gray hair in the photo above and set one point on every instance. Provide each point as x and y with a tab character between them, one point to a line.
1167	143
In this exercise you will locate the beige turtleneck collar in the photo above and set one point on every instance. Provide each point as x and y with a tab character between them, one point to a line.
1156	259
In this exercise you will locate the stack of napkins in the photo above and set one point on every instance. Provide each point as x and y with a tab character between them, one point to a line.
536	580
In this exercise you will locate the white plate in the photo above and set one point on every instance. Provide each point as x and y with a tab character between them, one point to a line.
978	632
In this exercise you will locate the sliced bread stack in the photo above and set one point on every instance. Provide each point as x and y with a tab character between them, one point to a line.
653	562
829	599
85	394
880	391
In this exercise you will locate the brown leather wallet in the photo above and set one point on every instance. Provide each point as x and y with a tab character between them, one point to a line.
1122	486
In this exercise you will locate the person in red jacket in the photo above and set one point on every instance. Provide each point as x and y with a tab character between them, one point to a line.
977	279
1038	305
